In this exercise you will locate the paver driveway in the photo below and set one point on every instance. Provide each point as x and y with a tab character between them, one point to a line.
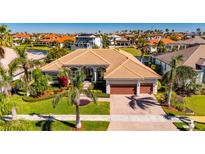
146	106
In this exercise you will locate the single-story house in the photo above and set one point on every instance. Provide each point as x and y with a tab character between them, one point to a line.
192	56
197	40
122	72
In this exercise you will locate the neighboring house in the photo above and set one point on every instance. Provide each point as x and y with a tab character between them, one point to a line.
192	56
123	42
48	39
113	38
54	39
197	40
87	41
169	44
120	71
21	38
155	36
63	39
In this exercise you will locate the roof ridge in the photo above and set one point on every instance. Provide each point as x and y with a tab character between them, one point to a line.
100	56
116	68
132	71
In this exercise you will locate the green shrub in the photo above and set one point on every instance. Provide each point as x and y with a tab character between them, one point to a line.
100	94
33	99
162	89
40	83
177	102
159	85
161	98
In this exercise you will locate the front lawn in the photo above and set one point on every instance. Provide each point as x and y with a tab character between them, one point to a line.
196	103
65	125
132	51
45	107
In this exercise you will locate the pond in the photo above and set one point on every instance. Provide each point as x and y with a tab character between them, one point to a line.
38	52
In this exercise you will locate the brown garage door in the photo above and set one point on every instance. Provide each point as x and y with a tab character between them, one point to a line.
123	89
146	88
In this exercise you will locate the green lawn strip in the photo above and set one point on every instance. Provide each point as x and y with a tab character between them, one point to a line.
66	125
132	51
198	126
45	107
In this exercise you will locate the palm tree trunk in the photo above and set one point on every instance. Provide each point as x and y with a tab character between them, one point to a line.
27	80
78	122
169	95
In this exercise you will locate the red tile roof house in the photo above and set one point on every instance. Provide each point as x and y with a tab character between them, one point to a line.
169	44
192	56
53	39
121	72
20	38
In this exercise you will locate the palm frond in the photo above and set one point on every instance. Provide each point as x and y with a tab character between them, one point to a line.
14	65
56	100
91	95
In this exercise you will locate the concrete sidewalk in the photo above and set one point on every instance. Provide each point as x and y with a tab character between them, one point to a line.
111	118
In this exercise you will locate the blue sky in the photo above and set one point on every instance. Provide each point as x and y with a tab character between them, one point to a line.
104	27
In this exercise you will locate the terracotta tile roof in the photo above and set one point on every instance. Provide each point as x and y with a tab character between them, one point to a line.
22	35
190	55
165	41
65	38
119	64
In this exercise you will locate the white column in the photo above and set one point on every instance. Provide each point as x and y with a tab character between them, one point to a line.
138	88
155	87
95	74
107	87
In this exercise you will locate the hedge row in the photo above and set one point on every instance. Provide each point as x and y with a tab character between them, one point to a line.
32	99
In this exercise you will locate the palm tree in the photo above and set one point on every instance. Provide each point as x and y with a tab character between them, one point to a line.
167	30
5	39
142	45
75	94
175	63
161	47
22	62
198	31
